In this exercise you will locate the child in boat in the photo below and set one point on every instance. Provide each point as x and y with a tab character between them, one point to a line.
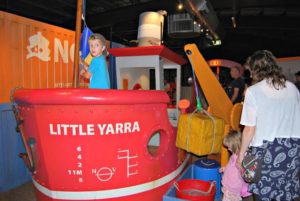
233	185
97	71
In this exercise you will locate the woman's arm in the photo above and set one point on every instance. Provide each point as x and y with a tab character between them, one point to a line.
248	134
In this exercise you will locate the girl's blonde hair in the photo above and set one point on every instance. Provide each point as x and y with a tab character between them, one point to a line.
233	140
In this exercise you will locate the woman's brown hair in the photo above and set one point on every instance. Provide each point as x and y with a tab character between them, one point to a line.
262	65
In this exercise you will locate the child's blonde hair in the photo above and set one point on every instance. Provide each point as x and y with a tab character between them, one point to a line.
233	140
97	36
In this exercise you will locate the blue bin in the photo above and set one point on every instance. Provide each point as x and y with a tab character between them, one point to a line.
206	169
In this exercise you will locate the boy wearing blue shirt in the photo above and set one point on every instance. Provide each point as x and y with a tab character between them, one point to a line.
97	71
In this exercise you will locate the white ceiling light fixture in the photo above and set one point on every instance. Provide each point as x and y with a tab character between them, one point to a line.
233	20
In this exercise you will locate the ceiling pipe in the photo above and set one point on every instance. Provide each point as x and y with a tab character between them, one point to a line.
193	10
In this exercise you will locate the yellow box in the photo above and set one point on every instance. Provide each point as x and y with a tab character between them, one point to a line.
195	133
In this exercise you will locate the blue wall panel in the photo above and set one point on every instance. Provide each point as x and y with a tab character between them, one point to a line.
13	171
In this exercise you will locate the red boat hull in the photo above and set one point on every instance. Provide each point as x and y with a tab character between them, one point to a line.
96	144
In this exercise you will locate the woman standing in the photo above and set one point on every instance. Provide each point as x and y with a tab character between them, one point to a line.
271	116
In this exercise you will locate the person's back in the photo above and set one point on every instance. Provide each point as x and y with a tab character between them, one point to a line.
271	116
278	111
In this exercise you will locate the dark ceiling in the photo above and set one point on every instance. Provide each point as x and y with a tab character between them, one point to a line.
261	24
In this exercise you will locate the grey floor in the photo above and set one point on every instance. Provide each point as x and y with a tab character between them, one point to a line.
24	192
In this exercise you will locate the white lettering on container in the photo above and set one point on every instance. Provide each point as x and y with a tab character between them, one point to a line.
62	50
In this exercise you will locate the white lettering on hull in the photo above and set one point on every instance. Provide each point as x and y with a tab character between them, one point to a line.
112	193
89	129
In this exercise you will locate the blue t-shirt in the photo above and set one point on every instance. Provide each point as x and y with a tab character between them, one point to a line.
100	77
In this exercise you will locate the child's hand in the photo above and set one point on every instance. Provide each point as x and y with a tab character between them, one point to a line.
81	61
82	72
221	170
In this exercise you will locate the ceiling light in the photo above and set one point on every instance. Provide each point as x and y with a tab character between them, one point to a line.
180	6
233	22
217	42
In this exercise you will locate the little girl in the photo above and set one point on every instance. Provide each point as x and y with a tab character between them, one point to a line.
233	185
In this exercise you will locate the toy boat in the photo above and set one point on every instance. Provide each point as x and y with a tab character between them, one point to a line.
97	144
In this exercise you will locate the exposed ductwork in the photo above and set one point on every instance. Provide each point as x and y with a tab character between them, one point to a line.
182	25
204	15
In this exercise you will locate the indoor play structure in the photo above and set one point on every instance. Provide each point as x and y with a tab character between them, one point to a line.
110	144
201	133
104	144
85	144
218	101
133	65
95	144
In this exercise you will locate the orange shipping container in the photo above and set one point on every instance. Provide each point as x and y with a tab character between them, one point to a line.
34	55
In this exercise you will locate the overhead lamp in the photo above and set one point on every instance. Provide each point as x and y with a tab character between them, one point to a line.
180	6
233	21
217	42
